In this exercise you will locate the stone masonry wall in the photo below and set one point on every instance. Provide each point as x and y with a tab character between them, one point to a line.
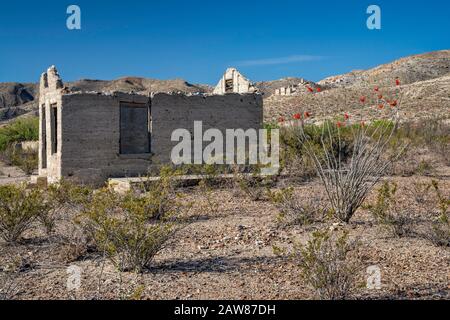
80	133
231	111
50	93
240	84
91	138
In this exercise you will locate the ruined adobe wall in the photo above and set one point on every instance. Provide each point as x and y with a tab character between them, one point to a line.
240	83
171	112
50	93
91	138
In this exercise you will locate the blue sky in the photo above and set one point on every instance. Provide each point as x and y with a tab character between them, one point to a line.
196	40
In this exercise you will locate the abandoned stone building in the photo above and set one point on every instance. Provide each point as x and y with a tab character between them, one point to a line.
294	89
92	136
234	82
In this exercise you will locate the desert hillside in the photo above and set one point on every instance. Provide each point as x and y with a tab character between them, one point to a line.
410	69
425	88
424	91
268	87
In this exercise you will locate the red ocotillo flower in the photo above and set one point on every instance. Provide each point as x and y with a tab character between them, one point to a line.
319	89
281	119
397	82
377	89
380	96
310	89
339	124
297	116
393	103
307	114
346	116
380	107
362	99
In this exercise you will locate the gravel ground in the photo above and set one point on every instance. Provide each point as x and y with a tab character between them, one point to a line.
227	253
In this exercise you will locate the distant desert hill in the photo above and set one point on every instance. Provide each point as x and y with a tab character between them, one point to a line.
409	69
425	80
15	94
269	87
17	99
138	85
425	88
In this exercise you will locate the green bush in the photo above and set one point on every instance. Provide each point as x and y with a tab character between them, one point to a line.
295	152
160	198
27	160
327	266
440	231
252	185
120	227
20	208
60	197
294	211
26	129
386	212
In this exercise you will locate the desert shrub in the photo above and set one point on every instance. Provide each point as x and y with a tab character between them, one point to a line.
209	171
433	134
327	266
440	231
431	137
347	183
27	160
253	185
292	210
20	208
160	198
7	286
120	227
420	191
386	212
295	156
352	156
61	197
425	168
10	267
207	192
26	129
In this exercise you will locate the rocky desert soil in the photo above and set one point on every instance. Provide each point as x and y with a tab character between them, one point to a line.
227	252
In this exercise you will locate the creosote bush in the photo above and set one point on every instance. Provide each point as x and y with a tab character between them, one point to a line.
27	160
26	129
440	231
326	264
387	213
253	185
7	286
20	208
160	197
61	197
122	229
294	211
420	191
